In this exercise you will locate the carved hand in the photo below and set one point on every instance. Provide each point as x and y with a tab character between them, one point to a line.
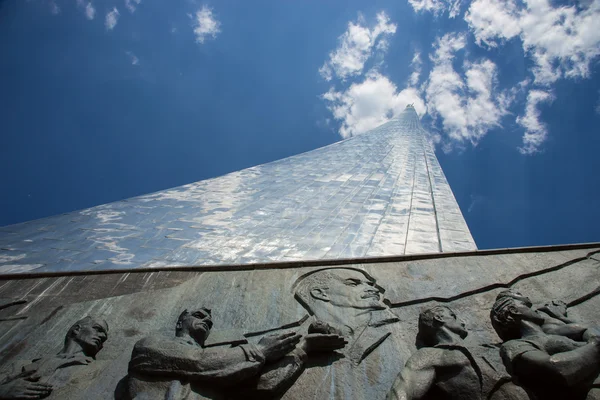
317	342
278	345
24	389
556	311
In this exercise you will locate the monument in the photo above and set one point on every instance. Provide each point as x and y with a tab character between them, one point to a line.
347	272
382	193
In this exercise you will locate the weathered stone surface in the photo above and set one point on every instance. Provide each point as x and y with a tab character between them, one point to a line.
374	305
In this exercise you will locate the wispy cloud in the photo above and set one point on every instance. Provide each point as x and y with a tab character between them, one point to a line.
132	5
437	7
535	130
356	46
468	105
562	41
370	103
90	11
205	24
54	8
133	58
112	17
416	65
373	99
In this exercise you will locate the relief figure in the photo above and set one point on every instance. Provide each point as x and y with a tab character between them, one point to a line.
181	367
350	302
444	367
557	322
49	375
547	366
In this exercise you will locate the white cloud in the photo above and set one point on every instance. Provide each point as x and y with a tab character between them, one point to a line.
133	58
416	65
447	46
493	21
356	46
468	107
131	5
370	103
436	7
562	41
90	11
205	24
112	17
535	131
598	104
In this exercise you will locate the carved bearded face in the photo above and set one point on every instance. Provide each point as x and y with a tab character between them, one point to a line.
90	335
351	289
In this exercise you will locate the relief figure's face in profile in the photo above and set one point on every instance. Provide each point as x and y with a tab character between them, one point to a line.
449	320
198	324
91	335
352	289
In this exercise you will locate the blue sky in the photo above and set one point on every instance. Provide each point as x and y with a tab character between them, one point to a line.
101	101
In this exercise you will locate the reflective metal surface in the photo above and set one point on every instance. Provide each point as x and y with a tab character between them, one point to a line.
380	193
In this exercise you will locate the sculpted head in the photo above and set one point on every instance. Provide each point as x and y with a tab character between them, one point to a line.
89	334
196	324
508	311
514	294
436	319
339	287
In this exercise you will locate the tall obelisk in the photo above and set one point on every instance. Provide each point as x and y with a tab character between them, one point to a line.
376	194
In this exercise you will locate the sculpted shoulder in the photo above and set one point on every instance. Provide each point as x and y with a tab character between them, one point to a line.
426	357
156	342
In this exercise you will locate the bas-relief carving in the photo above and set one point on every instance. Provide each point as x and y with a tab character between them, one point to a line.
349	301
181	367
50	374
546	364
342	302
445	368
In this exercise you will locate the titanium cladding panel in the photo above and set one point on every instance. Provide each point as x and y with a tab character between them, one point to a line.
376	194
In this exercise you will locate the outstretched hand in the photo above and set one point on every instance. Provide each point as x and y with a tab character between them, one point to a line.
322	342
276	346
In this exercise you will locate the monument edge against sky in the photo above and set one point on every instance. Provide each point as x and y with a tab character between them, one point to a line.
381	193
265	283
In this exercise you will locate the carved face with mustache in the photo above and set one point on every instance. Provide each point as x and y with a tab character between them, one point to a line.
352	289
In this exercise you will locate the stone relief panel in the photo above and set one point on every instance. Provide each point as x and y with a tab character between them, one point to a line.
341	332
547	354
348	301
445	367
52	374
182	367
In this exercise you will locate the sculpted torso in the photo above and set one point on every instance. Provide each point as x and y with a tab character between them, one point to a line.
453	375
